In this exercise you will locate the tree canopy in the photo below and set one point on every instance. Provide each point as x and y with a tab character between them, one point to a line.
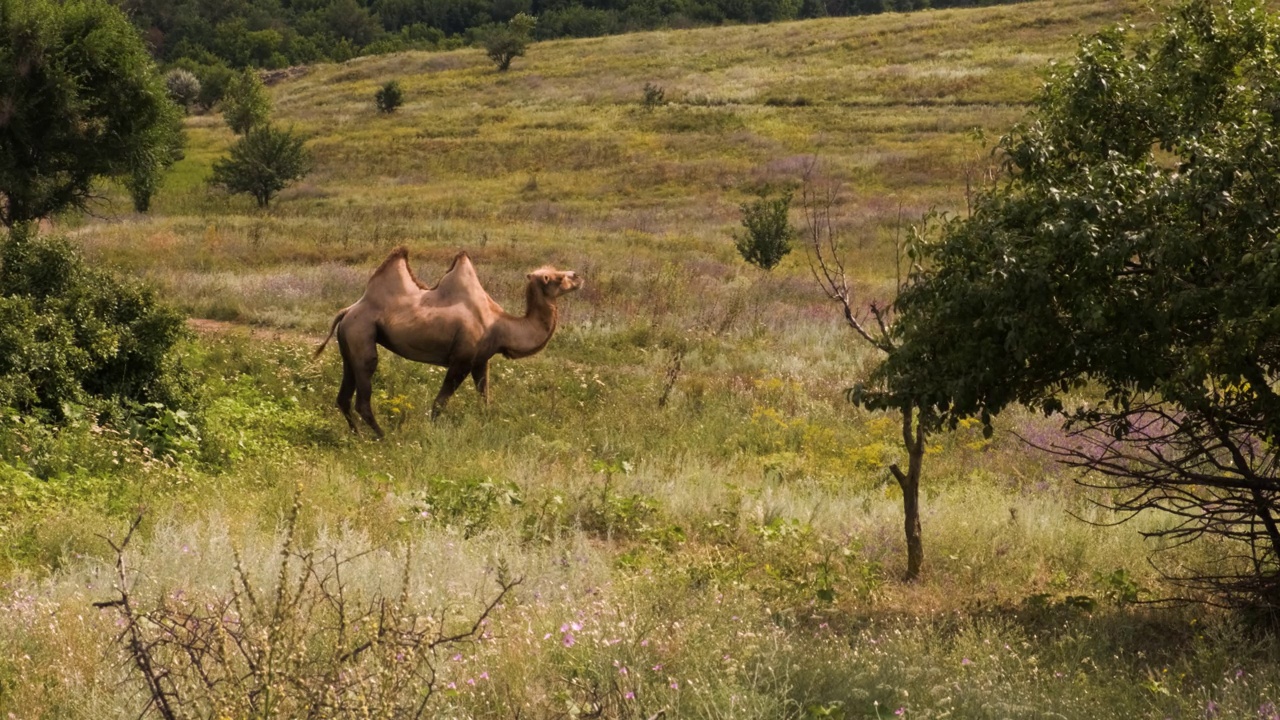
79	99
1130	246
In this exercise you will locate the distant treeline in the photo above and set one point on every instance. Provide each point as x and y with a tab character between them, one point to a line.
204	35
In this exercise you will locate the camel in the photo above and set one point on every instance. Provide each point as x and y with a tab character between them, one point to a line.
455	325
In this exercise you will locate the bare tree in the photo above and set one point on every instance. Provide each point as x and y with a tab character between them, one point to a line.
872	323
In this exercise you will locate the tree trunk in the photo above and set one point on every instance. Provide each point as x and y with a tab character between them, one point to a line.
913	441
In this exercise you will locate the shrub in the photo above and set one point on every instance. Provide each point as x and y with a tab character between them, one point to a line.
262	163
389	97
244	103
504	43
653	96
183	86
768	233
72	334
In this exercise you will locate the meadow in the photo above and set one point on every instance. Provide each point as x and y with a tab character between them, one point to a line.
702	526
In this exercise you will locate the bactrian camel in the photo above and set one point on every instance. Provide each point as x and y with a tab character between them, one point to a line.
455	325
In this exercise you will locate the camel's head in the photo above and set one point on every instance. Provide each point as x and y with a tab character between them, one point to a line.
553	283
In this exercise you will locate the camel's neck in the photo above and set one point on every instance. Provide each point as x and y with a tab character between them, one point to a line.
524	336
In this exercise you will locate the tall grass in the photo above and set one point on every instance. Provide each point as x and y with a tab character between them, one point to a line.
704	525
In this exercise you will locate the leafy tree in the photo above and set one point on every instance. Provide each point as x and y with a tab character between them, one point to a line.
768	233
504	43
389	97
81	100
1132	246
262	163
245	104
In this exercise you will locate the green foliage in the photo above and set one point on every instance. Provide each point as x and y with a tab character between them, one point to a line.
83	101
504	43
769	234
389	97
72	334
245	104
262	163
471	505
1131	245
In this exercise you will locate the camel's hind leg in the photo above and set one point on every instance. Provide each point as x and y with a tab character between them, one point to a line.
360	356
345	391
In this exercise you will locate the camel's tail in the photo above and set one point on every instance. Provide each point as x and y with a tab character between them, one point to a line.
332	328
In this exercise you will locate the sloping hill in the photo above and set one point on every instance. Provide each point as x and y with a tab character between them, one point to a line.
560	160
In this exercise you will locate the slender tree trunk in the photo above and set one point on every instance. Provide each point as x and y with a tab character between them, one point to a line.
913	441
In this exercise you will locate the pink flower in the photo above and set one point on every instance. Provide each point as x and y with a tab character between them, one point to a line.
457	657
966	661
675	685
900	711
568	640
630	695
452	686
471	681
484	675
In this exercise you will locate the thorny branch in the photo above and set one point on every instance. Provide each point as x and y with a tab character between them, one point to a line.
315	650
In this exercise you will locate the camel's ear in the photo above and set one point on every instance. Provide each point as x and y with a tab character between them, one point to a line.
528	276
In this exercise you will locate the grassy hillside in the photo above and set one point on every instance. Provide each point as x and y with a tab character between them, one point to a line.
703	525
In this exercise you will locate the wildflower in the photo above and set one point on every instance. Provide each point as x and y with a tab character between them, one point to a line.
900	711
1211	709
657	667
452	686
630	695
484	675
568	640
675	685
456	657
966	661
471	681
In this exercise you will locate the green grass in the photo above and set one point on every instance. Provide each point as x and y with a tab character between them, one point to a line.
736	551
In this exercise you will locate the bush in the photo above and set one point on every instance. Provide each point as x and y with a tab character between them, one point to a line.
183	86
262	163
245	104
769	232
389	97
72	334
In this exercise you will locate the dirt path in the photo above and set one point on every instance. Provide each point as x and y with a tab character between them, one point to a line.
205	326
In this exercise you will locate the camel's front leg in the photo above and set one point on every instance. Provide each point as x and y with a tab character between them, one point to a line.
480	374
452	380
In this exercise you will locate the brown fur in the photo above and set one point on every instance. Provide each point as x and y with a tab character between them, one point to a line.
454	324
